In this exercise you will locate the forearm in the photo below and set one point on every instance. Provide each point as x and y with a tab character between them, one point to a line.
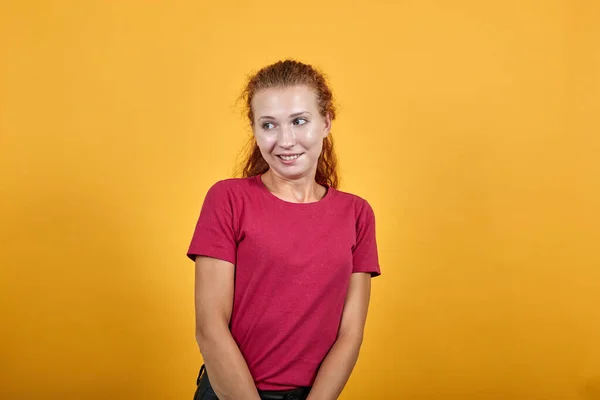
336	369
229	373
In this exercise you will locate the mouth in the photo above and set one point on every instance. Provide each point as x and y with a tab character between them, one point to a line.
290	157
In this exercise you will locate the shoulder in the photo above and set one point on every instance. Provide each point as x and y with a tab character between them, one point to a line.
230	187
359	204
356	206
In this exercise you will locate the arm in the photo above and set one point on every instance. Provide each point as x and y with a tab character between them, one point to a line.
339	362
229	374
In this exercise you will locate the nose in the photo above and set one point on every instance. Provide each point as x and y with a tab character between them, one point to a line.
286	137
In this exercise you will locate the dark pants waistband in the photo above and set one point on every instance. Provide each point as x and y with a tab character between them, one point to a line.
204	390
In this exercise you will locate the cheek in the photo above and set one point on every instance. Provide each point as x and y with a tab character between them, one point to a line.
310	138
265	142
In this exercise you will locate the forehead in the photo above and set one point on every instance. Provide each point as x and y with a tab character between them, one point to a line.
286	100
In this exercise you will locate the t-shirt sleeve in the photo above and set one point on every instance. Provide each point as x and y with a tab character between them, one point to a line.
365	257
214	235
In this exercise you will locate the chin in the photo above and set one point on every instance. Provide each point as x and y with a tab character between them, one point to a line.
289	173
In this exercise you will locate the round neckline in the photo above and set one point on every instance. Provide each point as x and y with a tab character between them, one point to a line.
266	191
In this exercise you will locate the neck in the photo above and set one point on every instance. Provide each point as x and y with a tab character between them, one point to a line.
301	190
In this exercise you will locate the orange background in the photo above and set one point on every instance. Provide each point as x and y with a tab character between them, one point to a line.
471	127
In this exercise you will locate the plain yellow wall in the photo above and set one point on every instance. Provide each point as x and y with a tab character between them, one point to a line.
471	127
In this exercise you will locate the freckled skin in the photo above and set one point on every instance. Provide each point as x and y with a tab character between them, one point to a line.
287	132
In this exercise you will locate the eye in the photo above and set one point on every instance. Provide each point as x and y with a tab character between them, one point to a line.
268	125
300	121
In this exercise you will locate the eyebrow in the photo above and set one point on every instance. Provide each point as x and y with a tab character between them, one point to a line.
294	115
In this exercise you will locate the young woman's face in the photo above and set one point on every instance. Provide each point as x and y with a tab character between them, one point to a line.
289	130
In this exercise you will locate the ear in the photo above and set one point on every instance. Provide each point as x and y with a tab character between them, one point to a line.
327	126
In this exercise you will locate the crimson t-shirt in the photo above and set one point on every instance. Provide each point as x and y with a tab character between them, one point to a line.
293	263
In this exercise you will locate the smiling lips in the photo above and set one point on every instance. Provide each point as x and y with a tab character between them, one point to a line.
289	157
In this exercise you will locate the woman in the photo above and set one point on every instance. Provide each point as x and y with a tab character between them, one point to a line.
283	259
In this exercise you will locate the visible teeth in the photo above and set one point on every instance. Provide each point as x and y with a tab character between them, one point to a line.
290	158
